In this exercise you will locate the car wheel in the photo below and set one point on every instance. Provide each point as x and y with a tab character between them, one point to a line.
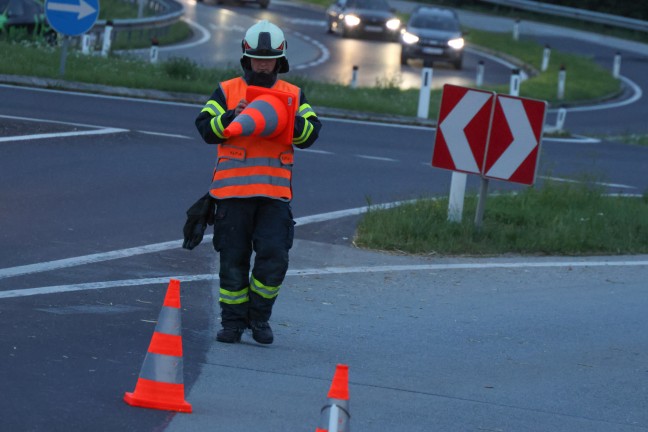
458	64
264	4
345	32
329	27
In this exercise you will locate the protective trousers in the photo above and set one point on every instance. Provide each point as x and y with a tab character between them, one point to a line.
243	225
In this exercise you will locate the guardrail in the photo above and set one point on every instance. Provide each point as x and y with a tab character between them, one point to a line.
580	14
167	12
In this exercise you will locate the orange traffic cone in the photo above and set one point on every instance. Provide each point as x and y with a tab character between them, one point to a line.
160	383
269	114
335	416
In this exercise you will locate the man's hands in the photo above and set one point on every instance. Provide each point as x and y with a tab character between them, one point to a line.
199	215
240	107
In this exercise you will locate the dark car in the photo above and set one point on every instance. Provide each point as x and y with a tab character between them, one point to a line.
433	34
27	14
363	18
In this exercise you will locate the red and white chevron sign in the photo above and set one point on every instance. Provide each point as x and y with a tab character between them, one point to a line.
495	136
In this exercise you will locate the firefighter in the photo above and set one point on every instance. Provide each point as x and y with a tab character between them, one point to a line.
252	189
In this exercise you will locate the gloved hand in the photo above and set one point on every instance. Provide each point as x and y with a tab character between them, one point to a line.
199	215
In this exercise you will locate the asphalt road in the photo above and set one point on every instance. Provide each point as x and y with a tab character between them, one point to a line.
92	198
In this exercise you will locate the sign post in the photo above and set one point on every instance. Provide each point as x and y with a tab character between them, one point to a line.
71	18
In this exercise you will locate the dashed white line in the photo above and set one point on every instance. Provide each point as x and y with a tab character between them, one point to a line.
164	134
378	158
613	185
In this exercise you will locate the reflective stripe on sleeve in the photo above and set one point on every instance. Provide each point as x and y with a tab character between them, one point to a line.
308	129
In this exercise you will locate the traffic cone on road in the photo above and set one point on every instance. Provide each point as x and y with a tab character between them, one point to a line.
335	415
160	384
269	114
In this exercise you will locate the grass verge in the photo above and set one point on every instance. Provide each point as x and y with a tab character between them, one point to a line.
558	219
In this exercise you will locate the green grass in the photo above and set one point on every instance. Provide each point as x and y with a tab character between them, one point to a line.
558	219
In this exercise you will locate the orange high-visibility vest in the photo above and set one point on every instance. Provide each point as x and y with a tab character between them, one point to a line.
252	166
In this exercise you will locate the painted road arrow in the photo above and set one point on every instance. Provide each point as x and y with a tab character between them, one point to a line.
83	9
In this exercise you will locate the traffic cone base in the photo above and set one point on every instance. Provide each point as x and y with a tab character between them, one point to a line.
156	395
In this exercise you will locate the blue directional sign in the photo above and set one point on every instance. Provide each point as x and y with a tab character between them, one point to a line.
72	17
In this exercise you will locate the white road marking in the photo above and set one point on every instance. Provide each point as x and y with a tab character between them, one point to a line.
62	134
164	134
378	158
57	289
613	185
316	151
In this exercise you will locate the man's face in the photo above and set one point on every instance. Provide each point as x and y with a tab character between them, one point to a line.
263	65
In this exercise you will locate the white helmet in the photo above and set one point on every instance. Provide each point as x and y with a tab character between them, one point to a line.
265	40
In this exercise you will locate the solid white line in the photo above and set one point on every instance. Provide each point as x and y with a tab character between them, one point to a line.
62	135
320	272
39	120
158	247
637	94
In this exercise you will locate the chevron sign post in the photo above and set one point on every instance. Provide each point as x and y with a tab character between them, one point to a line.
495	136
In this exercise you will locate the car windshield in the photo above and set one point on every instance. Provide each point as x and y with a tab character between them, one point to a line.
369	4
436	22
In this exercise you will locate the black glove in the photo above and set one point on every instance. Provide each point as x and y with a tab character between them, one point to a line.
199	215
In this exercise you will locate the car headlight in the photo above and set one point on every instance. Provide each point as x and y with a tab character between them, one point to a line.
409	38
393	24
457	43
351	20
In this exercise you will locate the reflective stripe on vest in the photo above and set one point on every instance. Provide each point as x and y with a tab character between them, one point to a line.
249	166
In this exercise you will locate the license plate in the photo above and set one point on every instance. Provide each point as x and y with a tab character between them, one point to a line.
372	28
433	50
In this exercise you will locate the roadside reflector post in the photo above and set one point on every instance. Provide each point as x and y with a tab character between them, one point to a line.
426	88
516	29
354	77
85	44
154	50
616	67
546	54
479	81
140	8
514	88
107	38
562	76
64	50
560	118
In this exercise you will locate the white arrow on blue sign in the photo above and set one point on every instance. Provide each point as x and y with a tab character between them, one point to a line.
72	17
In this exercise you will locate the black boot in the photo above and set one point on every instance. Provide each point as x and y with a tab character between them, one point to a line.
261	332
229	335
